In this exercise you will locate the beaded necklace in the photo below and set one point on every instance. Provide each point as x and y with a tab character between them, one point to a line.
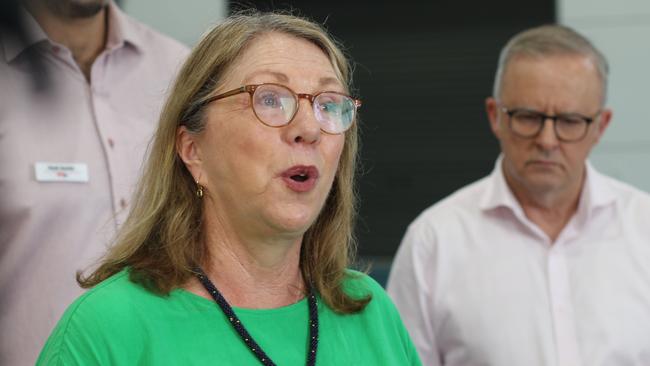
243	333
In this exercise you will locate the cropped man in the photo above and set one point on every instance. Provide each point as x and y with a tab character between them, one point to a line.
70	154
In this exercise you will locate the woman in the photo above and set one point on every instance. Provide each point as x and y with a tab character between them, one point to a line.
236	249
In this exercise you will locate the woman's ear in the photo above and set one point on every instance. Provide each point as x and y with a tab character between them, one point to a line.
189	151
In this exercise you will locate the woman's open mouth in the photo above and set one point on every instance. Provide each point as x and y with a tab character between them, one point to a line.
300	178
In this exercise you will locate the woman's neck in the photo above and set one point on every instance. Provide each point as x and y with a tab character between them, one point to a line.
252	272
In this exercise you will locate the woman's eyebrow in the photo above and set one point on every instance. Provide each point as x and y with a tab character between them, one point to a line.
328	80
281	77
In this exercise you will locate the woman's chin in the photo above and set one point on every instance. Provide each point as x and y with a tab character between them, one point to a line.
294	221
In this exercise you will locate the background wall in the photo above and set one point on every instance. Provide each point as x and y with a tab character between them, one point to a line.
183	20
621	30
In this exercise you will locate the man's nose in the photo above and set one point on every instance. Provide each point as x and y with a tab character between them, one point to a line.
547	138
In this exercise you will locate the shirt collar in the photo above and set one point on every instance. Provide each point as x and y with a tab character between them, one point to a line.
121	30
498	193
596	192
33	34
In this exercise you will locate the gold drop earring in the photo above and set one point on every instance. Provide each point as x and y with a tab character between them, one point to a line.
199	190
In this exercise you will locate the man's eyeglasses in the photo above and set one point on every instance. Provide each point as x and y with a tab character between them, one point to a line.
276	105
569	127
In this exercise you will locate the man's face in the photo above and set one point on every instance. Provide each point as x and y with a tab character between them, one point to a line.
563	84
75	8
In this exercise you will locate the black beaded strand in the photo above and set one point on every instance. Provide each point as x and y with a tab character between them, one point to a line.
246	337
313	328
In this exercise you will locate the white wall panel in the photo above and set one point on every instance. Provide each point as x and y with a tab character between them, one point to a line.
610	9
183	20
621	30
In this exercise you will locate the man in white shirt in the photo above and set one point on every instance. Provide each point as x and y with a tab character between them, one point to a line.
70	156
545	261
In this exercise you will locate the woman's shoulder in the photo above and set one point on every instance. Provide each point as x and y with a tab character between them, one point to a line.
101	314
379	322
116	294
359	285
380	309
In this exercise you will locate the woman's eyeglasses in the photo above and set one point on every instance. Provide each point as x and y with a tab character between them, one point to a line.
276	105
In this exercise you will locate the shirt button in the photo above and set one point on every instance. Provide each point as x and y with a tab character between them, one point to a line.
123	203
111	143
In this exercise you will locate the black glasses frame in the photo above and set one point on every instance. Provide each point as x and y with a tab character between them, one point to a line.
250	89
543	117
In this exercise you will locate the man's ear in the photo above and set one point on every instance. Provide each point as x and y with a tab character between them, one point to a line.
188	150
603	122
492	110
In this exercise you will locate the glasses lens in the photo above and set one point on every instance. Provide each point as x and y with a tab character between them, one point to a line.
571	127
274	105
334	111
526	123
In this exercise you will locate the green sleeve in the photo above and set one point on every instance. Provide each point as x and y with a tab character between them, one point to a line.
99	328
382	309
73	342
403	334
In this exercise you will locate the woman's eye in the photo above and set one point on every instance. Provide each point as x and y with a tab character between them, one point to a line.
269	101
329	107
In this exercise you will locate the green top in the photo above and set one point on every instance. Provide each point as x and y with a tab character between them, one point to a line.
120	323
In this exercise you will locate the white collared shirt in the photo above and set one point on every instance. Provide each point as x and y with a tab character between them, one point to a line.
478	283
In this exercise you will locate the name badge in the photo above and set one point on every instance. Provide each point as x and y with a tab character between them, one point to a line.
61	172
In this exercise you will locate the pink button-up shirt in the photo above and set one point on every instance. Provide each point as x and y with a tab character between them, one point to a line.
478	283
69	160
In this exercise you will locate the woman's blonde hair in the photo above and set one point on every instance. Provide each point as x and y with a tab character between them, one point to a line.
162	239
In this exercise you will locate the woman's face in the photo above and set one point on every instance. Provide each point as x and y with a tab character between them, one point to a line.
262	180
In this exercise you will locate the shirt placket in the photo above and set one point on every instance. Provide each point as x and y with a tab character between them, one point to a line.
562	311
104	122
